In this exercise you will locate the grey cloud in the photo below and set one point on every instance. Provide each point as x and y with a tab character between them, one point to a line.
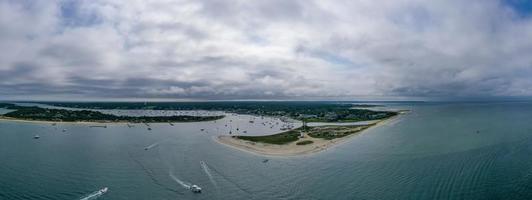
237	49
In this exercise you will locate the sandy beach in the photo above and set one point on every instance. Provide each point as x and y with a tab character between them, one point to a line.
290	149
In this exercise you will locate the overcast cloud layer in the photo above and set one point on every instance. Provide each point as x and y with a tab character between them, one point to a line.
275	49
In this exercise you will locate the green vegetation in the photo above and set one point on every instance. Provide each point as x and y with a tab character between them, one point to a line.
324	132
300	110
332	132
46	114
9	106
304	142
280	138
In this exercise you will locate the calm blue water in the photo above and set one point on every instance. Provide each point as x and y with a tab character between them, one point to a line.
437	151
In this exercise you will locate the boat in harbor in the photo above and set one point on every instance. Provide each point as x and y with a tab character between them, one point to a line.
103	190
195	189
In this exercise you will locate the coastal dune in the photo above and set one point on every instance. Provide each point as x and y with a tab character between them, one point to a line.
292	148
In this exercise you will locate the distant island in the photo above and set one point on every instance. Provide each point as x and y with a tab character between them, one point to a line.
303	111
298	110
34	113
302	140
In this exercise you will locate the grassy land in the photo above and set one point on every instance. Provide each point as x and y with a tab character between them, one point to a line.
332	132
323	132
280	138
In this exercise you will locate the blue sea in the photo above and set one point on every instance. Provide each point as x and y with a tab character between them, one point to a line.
438	150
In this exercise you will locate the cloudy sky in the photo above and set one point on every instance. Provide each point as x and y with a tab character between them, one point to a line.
274	49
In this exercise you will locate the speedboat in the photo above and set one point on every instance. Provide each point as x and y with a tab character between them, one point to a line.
103	190
195	189
36	137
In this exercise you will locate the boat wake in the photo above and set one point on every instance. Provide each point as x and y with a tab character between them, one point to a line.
152	177
95	195
227	179
180	182
151	146
208	172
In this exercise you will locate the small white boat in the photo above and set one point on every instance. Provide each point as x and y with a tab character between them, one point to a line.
36	137
195	189
103	190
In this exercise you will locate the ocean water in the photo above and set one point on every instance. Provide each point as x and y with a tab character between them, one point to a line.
436	151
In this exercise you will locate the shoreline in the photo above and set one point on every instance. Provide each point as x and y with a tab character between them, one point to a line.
291	149
84	122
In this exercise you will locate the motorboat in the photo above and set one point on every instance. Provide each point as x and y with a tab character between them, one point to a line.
102	191
195	189
36	137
